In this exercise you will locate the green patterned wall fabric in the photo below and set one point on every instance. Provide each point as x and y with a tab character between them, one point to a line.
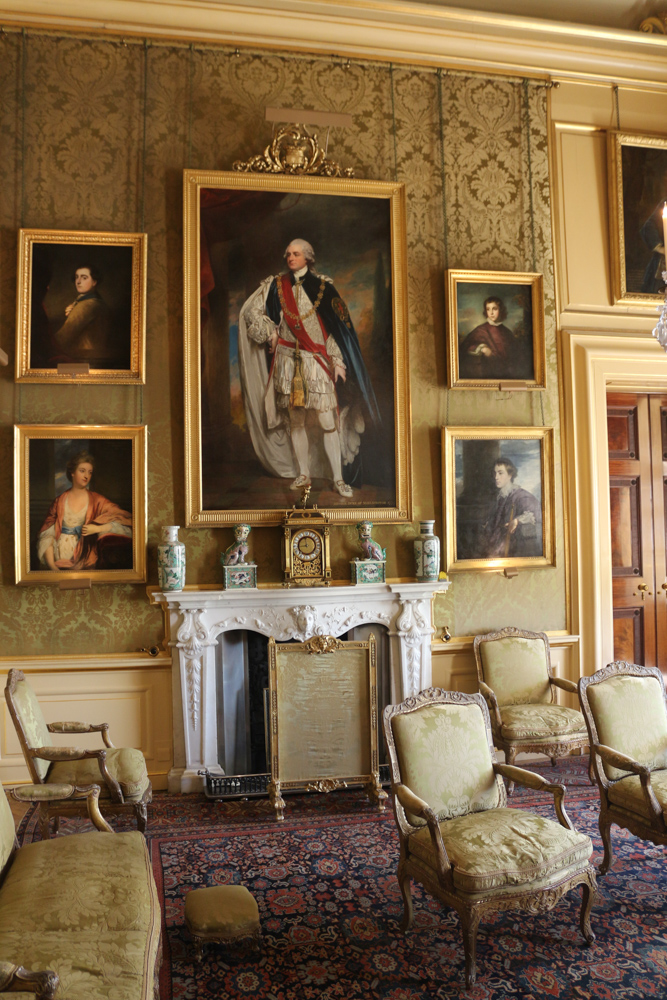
95	135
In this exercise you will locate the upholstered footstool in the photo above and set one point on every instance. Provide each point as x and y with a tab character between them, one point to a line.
222	913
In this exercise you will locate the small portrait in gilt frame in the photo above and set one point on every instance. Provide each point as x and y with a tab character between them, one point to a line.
295	348
498	492
637	194
80	503
495	330
81	307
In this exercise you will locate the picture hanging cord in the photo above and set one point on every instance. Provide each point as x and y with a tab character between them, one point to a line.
190	100
393	119
617	107
24	58
441	130
542	391
142	206
530	174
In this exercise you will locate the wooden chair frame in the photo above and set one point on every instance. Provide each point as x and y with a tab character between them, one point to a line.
560	746
73	806
653	829
440	884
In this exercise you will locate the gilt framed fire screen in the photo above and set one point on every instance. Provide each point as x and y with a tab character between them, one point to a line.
323	742
296	368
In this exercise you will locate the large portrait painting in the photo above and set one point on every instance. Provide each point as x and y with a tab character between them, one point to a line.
637	193
81	303
498	493
80	503
495	330
295	348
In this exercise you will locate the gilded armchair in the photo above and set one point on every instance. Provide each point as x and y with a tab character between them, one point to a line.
457	836
516	678
625	708
120	772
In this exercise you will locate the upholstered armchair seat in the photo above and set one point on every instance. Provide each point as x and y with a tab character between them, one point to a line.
120	773
458	837
503	847
628	793
125	765
516	678
542	722
625	707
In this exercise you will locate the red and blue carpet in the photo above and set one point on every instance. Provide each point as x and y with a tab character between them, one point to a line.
325	883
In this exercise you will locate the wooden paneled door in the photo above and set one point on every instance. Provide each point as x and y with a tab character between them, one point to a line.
637	429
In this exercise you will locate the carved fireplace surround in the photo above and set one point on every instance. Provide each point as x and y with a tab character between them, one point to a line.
198	618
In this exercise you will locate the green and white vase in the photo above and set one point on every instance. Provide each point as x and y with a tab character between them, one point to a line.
427	553
171	560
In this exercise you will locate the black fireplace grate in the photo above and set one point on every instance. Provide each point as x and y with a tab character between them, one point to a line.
233	786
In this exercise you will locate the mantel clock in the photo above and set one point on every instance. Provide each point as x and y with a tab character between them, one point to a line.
306	549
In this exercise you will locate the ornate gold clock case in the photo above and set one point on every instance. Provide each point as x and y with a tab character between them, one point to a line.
306	554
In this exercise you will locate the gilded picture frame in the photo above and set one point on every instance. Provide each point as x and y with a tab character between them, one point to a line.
495	330
81	307
320	744
498	497
637	173
62	536
240	459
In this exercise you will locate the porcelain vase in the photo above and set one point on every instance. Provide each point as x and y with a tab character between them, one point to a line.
171	560
427	553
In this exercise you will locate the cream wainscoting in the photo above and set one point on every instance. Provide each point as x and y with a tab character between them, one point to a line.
130	692
453	664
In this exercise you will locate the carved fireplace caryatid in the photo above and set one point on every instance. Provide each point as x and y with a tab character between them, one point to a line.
198	619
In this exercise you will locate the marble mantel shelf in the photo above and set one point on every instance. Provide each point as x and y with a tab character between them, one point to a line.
199	617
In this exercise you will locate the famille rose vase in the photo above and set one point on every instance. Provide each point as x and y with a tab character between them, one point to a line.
171	560
427	553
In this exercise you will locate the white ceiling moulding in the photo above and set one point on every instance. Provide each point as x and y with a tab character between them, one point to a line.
379	29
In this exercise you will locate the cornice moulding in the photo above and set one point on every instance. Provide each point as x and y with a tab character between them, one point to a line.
388	30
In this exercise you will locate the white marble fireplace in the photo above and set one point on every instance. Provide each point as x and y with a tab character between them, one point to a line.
199	619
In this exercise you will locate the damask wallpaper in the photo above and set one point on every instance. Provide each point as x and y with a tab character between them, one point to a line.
95	135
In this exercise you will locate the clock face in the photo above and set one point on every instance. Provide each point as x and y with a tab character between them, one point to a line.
306	545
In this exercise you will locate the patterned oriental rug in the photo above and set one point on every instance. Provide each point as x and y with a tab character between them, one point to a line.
330	907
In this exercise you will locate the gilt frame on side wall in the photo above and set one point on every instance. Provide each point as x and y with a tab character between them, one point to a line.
498	497
81	300
637	172
104	539
239	460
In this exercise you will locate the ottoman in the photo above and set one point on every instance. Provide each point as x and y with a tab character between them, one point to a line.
222	913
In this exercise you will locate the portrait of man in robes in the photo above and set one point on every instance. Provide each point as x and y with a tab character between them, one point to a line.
308	419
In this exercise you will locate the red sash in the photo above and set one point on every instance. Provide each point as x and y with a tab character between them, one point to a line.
296	328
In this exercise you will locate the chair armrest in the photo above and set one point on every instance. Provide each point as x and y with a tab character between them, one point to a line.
491	700
82	727
45	794
620	760
539	784
625	763
77	753
16	979
420	808
564	685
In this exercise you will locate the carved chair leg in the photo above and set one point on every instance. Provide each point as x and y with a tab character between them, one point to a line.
554	761
406	893
469	924
44	822
56	824
588	897
605	833
510	757
199	947
141	812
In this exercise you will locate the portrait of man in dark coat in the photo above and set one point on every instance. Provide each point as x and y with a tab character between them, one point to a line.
514	525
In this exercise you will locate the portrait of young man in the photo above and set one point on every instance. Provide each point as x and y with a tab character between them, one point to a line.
495	331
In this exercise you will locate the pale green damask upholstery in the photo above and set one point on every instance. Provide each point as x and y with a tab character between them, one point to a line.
7	835
516	669
126	765
628	793
444	758
32	721
630	717
457	836
504	847
86	907
515	677
539	721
